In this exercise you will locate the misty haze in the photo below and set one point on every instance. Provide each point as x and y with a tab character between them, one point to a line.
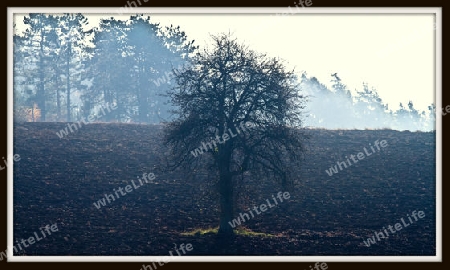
139	131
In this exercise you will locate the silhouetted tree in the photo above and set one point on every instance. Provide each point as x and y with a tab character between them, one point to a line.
319	97
40	40
408	118
110	70
74	52
341	111
430	118
370	107
339	87
221	89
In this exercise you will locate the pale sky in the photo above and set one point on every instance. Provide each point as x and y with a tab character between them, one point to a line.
393	53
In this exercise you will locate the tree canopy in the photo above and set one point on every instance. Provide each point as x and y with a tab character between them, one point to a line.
64	61
218	91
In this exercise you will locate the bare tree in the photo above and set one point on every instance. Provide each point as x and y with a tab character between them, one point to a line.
242	109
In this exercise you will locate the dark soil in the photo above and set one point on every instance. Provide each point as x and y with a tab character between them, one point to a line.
58	180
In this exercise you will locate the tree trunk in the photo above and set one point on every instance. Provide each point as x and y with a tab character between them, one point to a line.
41	95
226	203
58	96
69	112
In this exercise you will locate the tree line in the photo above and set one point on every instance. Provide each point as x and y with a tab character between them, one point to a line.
64	69
336	107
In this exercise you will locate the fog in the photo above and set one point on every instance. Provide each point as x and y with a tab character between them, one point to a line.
337	108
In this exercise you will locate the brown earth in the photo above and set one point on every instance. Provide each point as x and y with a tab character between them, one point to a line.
58	180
